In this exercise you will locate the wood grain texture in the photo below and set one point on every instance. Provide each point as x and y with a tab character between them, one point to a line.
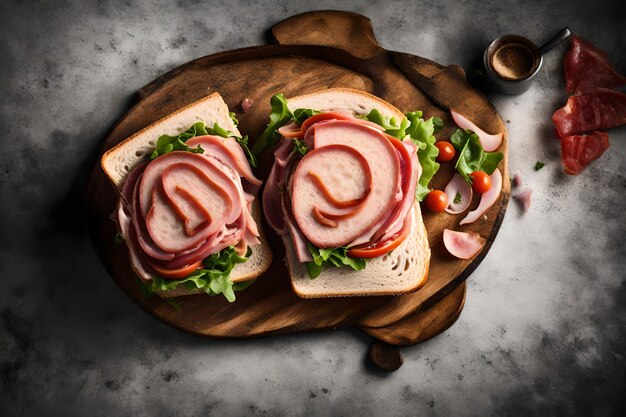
315	51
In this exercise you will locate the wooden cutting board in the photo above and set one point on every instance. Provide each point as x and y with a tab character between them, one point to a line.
313	51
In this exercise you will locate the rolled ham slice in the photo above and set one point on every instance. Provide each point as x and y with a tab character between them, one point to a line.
228	151
462	245
332	180
489	142
486	200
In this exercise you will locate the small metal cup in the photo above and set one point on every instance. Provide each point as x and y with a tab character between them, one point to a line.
508	85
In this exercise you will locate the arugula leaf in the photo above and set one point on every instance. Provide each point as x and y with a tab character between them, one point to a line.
166	144
279	116
472	157
457	198
233	117
213	279
300	147
118	238
300	115
243	142
331	256
217	130
539	165
422	134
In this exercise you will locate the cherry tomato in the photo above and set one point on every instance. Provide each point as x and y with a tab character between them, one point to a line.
380	248
446	151
481	182
436	201
176	273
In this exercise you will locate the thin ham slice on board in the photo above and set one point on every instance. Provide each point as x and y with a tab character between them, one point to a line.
598	109
586	67
578	151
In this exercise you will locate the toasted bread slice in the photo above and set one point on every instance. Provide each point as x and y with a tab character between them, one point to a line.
121	159
403	270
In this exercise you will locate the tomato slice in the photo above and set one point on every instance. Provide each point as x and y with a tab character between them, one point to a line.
176	273
381	248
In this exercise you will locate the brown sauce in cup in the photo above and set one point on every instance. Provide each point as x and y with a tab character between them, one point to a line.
513	61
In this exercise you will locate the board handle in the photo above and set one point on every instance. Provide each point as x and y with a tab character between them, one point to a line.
351	32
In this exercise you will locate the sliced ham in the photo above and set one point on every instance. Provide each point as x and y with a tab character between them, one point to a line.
184	206
486	199
578	151
587	67
598	109
523	198
489	142
164	194
342	173
228	151
462	245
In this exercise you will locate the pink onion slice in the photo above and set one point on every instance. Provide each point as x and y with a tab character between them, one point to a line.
517	180
489	142
461	244
523	198
458	185
487	199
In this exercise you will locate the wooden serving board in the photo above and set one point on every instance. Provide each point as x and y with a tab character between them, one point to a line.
313	51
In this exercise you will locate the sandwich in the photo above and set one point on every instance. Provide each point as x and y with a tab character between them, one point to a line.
349	169
187	209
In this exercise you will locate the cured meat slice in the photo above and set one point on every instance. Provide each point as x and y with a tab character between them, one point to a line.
228	151
342	172
598	109
461	244
486	199
488	141
183	188
578	151
587	67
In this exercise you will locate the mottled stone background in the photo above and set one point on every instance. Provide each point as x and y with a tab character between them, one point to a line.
543	328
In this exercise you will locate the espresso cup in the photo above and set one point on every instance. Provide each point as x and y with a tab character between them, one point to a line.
511	63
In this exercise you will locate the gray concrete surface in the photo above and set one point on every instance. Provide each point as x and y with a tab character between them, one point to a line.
543	328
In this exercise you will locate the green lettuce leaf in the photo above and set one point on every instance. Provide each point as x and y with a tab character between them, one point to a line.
422	134
390	124
472	157
331	256
279	116
166	144
212	279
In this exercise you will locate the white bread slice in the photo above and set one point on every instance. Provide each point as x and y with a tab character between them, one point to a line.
121	159
118	161
403	270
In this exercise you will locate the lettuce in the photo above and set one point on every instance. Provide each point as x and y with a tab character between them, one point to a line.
331	256
213	279
166	144
472	157
422	134
279	116
300	115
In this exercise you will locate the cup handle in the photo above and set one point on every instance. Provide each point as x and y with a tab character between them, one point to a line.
555	40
